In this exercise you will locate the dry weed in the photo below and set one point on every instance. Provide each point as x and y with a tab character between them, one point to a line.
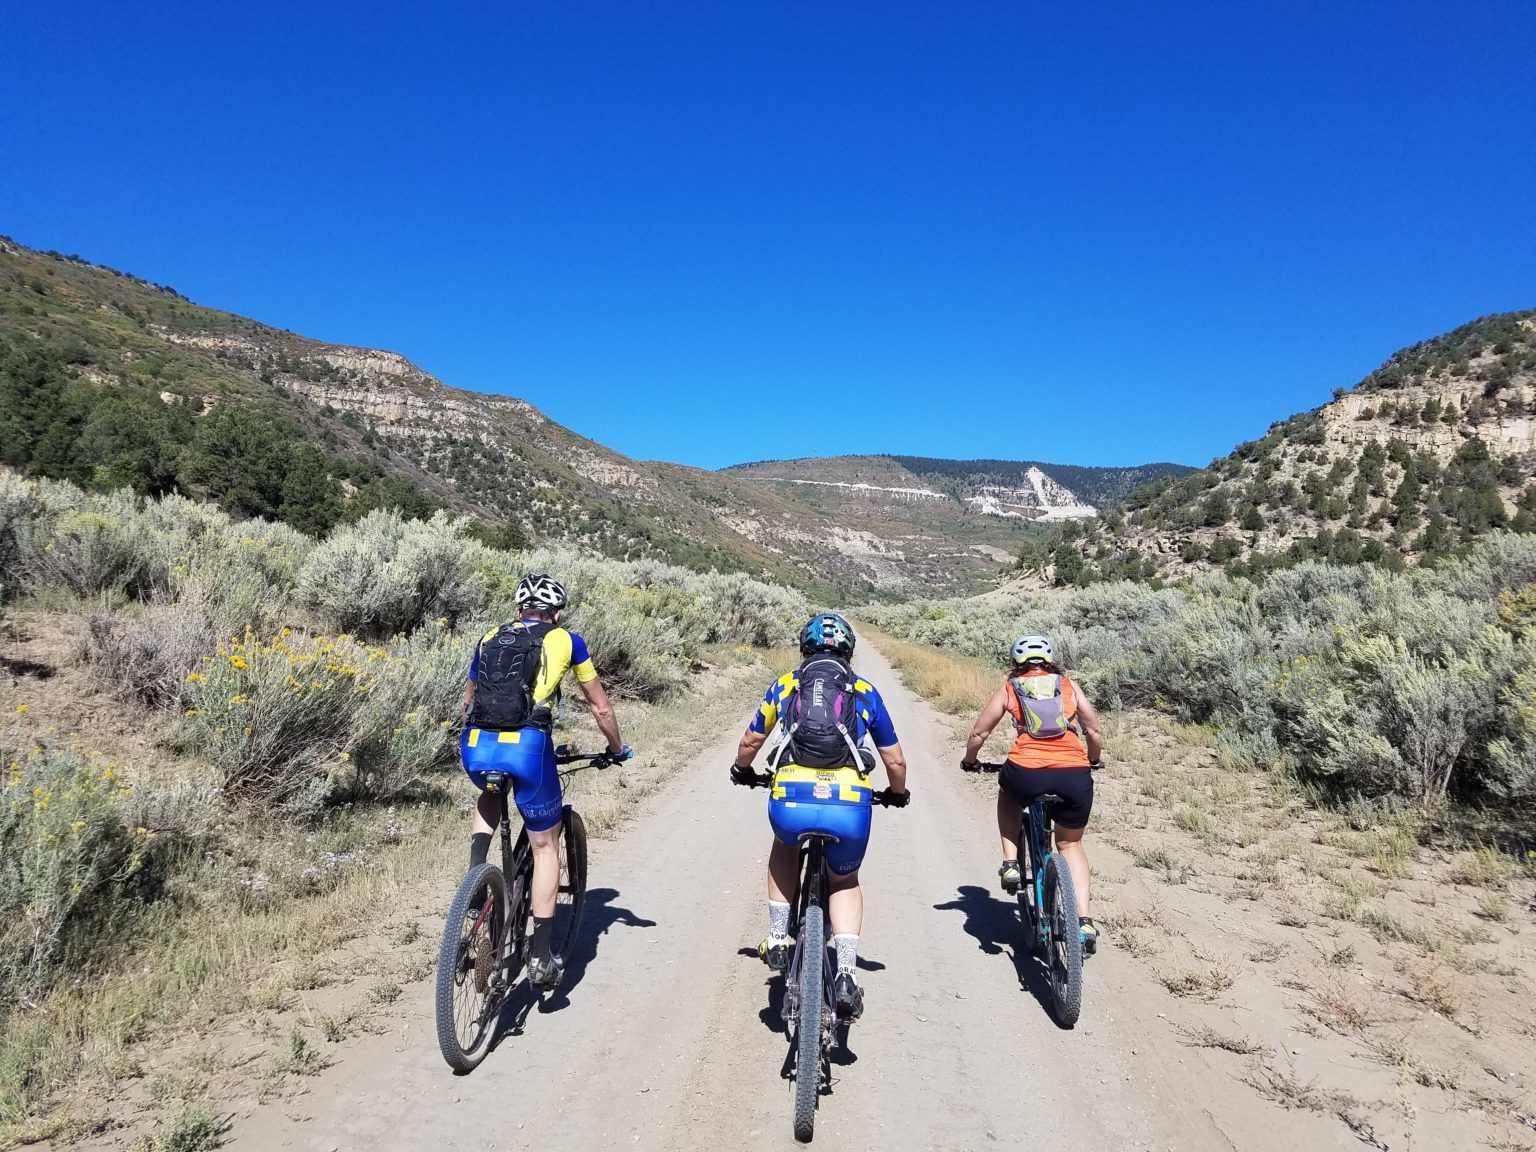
1205	981
1204	1036
1435	988
1491	906
1338	1008
1133	943
1287	1090
1484	867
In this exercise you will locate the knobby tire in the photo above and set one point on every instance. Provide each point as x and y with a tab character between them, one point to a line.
1065	952
467	1002
813	963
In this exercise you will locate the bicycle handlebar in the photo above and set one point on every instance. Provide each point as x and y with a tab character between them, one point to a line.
565	754
985	766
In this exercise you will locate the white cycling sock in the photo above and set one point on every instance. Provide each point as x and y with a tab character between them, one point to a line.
778	921
847	945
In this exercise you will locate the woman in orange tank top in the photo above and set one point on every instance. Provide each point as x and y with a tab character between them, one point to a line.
1059	740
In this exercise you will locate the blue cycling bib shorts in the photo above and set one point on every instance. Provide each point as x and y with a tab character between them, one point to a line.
835	802
527	756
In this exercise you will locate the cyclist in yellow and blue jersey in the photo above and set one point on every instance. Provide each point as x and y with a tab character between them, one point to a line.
821	784
514	680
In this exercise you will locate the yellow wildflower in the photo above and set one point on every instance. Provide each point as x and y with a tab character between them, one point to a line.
238	662
21	707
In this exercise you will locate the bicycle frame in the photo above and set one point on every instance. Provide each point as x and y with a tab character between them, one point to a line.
1036	834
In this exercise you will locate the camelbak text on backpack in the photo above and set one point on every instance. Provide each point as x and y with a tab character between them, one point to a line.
821	716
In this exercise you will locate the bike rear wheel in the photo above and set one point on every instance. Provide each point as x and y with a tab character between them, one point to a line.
470	986
808	1021
1064	952
572	897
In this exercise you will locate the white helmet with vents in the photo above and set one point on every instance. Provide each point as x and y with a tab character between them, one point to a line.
1027	649
540	590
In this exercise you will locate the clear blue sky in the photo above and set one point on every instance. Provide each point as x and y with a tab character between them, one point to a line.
719	231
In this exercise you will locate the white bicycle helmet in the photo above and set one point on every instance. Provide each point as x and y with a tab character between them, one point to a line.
541	590
1033	647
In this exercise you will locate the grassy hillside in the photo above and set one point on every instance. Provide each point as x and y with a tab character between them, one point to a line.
1426	455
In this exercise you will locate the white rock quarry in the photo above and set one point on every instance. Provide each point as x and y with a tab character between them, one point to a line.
1040	499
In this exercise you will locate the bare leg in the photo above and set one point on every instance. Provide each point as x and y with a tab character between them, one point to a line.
1010	815
1069	842
546	871
845	903
783	872
487	813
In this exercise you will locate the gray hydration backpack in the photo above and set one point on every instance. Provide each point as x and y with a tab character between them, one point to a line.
1042	711
821	717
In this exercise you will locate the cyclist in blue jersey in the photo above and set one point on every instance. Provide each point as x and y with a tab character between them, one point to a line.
514	680
821	784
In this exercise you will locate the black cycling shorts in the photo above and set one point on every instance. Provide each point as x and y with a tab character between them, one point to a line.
1073	785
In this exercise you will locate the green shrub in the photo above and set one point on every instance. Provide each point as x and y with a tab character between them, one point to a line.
387	575
100	548
300	721
64	854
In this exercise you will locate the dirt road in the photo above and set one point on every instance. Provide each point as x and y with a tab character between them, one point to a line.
663	1037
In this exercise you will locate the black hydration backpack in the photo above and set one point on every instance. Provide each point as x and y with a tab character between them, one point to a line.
821	721
505	673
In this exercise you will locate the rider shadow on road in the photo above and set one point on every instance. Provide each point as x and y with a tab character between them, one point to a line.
598	915
994	924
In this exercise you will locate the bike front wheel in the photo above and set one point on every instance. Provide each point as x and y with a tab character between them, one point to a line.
808	1021
1064	942
470	987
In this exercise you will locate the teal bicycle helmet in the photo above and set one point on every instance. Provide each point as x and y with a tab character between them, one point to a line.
828	632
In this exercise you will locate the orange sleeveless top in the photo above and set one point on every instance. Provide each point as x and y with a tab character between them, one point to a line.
1064	751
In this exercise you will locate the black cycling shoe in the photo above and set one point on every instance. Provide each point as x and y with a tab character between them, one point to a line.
1011	877
847	997
776	956
544	973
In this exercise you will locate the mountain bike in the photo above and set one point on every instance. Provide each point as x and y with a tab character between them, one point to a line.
1048	907
486	938
809	1013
